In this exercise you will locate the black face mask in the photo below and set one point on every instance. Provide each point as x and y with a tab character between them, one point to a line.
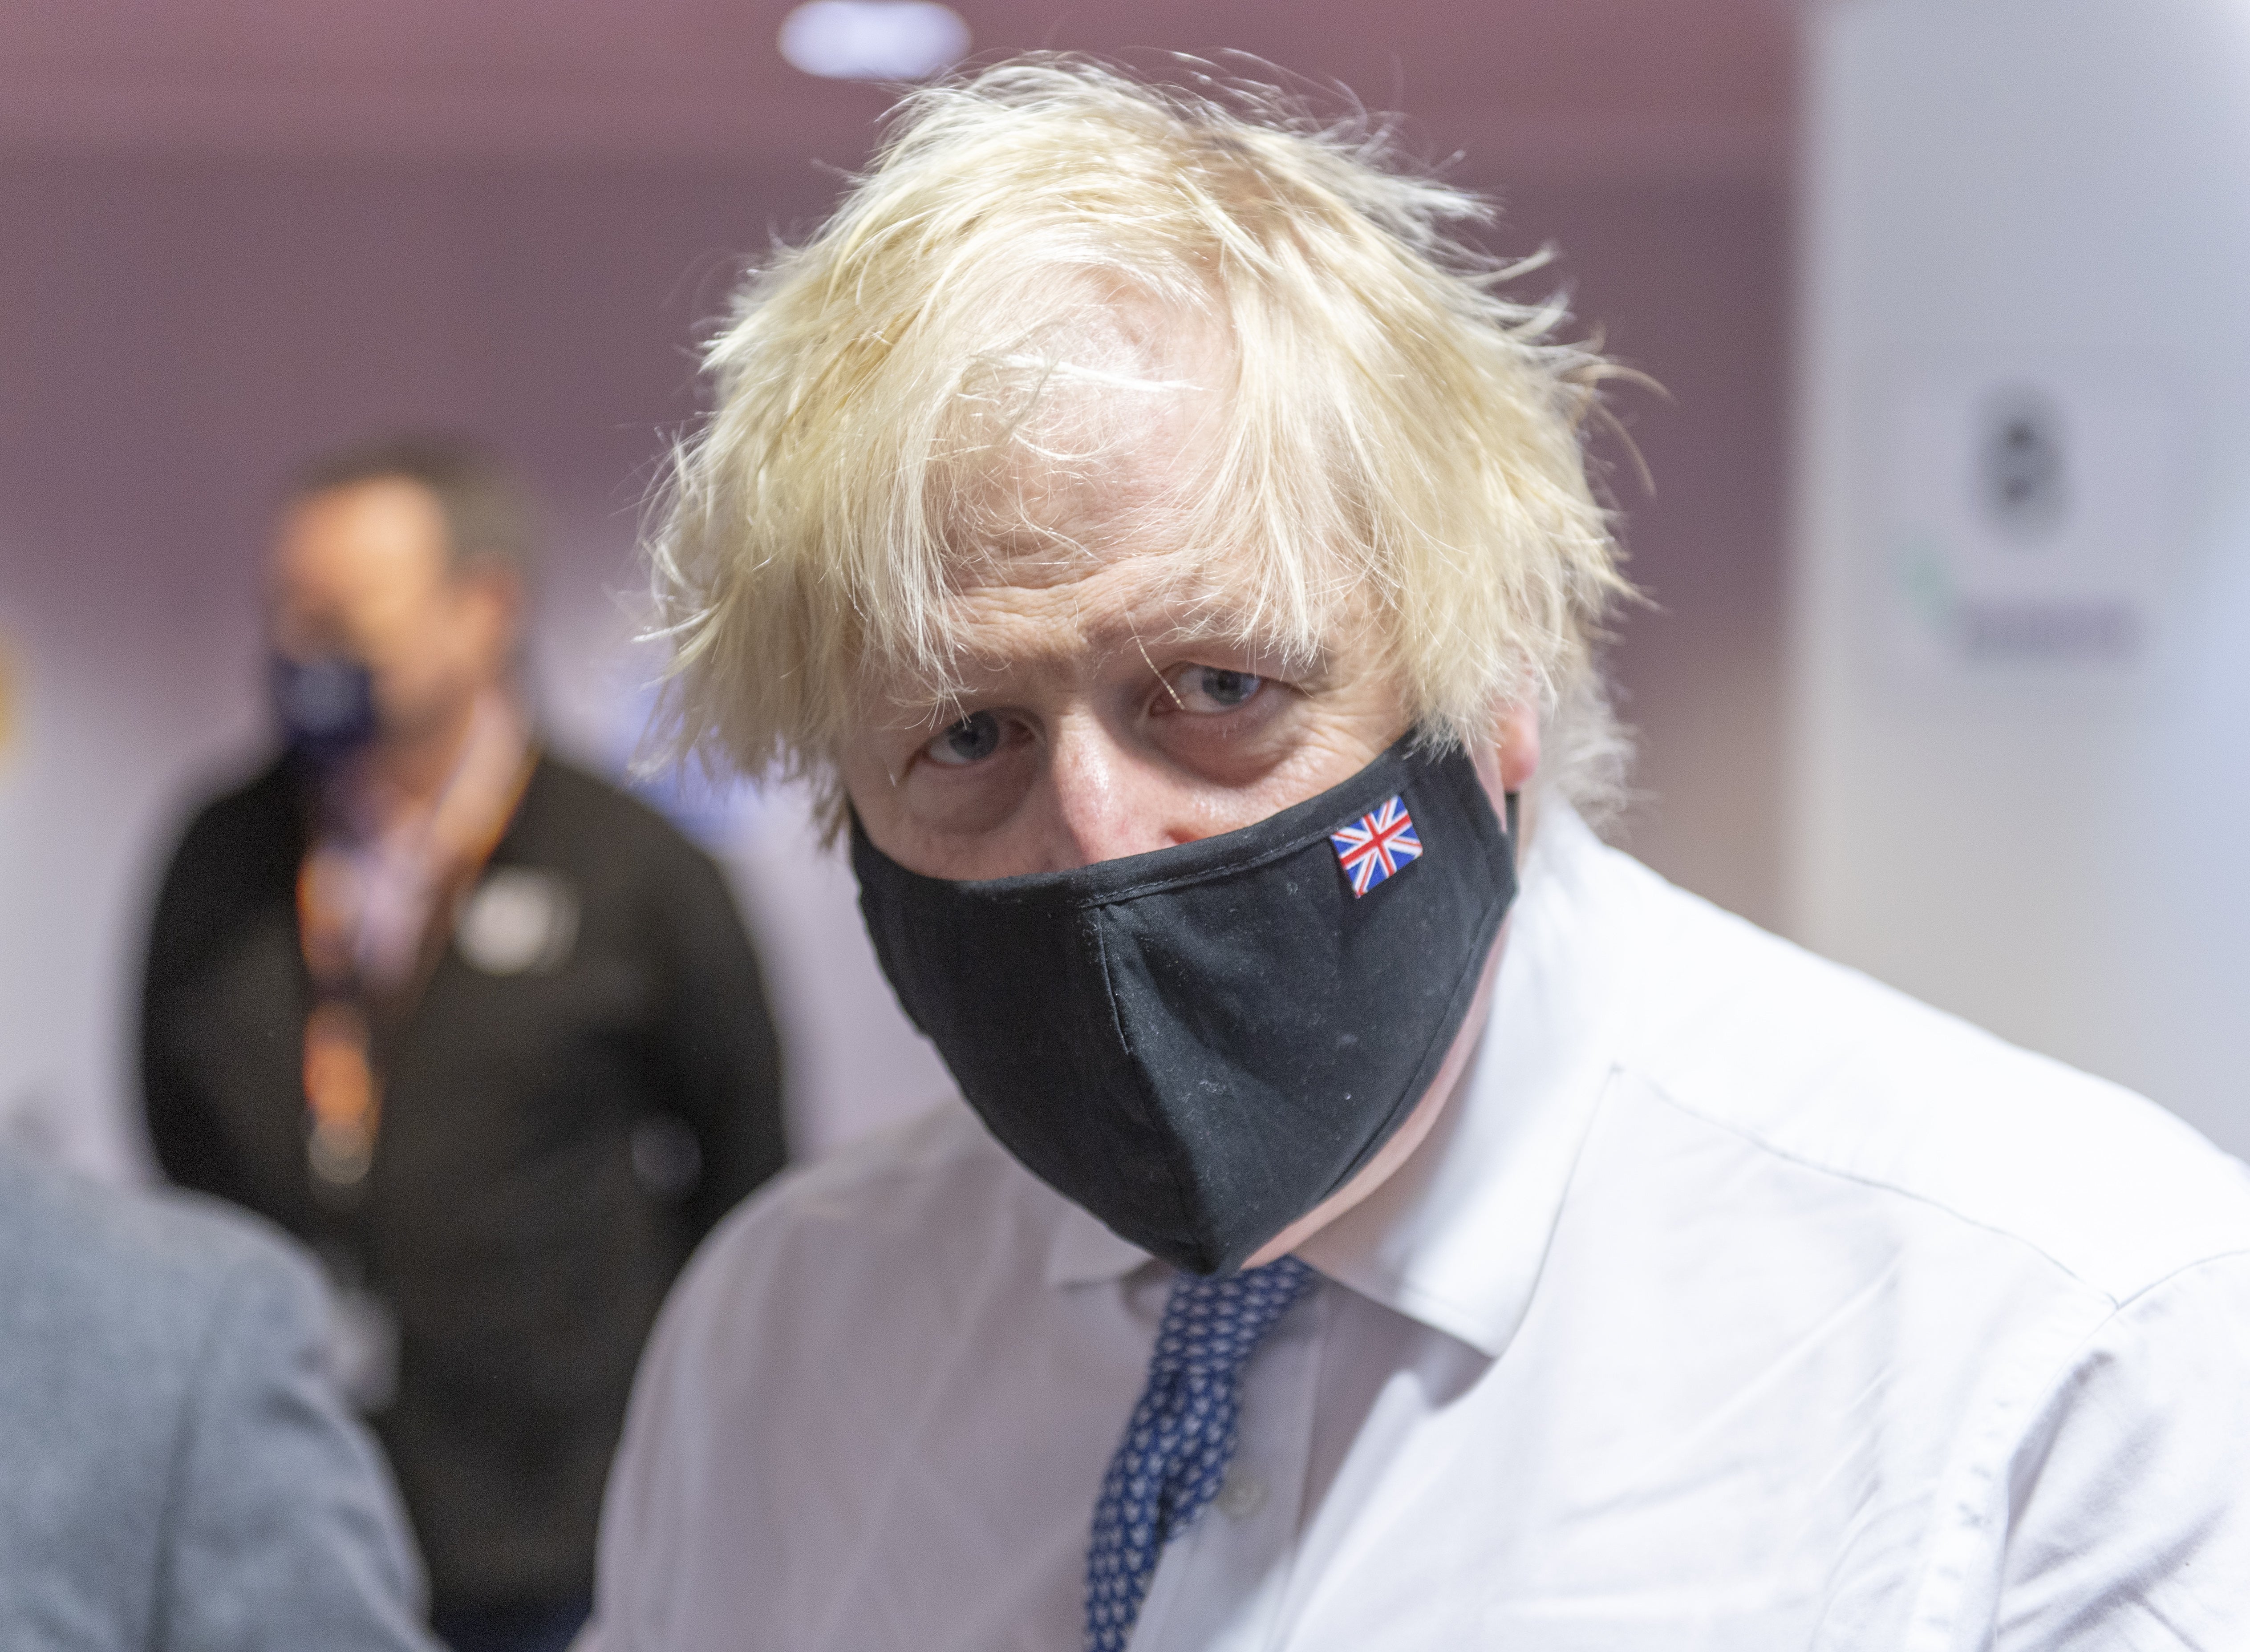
1200	1044
326	705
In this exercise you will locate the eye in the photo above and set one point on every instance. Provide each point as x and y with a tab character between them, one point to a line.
1205	690
975	738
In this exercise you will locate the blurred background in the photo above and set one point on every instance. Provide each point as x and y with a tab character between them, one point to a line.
1947	544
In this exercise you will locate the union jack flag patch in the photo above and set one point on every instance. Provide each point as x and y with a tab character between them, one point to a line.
1376	845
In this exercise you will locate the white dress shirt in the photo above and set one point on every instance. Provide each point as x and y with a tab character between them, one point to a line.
1735	1303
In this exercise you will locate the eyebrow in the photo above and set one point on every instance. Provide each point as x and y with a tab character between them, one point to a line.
1203	627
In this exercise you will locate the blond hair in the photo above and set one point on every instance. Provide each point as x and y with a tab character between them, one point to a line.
1393	433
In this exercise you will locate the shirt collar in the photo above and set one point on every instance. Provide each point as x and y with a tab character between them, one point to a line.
1456	1238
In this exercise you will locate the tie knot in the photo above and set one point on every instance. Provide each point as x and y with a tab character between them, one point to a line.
1213	1326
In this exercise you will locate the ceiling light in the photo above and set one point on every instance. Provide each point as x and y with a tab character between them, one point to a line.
873	40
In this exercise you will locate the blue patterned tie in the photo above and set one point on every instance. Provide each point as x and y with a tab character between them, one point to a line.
1176	1447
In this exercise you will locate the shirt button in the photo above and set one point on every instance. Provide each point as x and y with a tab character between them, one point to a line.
1240	1496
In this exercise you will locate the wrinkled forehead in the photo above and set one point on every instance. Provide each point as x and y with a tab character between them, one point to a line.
1118	605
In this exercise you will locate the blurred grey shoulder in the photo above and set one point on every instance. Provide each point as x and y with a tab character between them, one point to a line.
86	1268
114	1308
178	1471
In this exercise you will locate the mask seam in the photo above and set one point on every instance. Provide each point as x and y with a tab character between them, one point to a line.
1182	1192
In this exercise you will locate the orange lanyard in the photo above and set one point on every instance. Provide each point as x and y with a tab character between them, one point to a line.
343	1092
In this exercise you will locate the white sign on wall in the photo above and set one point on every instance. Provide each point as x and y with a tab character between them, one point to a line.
2031	519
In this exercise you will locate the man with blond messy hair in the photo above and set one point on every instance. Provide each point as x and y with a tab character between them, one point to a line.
1396	1220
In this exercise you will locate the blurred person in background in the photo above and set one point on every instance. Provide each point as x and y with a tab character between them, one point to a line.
484	1031
1398	1220
181	1475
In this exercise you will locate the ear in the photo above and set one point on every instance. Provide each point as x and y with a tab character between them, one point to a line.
1508	765
1517	739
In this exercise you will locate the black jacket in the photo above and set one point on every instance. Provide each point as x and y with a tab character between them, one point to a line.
508	1220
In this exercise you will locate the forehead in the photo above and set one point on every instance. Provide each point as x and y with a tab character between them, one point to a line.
1088	439
383	536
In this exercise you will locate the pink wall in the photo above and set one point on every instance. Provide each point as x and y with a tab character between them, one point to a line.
1688	282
